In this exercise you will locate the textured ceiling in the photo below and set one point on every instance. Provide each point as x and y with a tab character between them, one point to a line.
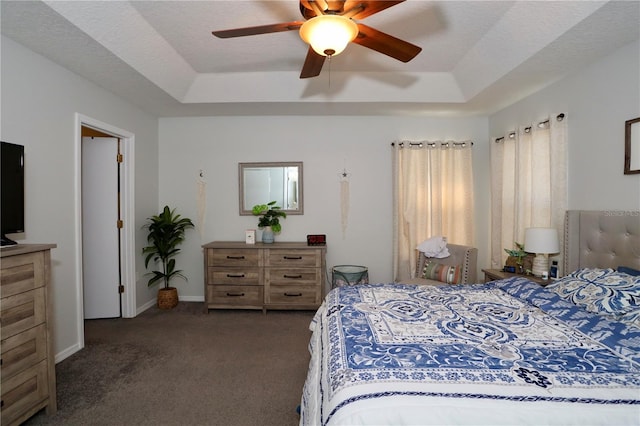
477	57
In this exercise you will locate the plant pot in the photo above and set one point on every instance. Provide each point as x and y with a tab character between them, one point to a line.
267	235
167	298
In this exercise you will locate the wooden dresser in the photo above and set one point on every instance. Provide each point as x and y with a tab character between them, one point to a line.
282	275
28	366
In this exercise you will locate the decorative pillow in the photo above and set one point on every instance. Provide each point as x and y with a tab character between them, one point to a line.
443	273
627	270
601	291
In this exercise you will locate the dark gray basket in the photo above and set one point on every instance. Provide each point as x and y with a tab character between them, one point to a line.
342	275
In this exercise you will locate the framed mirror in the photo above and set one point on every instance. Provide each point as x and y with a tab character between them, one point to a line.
261	183
632	146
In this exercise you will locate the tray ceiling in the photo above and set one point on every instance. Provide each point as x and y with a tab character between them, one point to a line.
477	57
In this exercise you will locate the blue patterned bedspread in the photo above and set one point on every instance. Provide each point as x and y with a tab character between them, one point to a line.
509	341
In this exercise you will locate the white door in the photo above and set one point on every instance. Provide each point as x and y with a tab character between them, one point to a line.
100	233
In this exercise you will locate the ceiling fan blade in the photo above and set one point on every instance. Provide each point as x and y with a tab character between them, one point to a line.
262	29
386	44
369	7
312	8
322	4
336	5
312	64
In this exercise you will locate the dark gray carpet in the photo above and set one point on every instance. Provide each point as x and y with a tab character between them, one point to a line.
184	367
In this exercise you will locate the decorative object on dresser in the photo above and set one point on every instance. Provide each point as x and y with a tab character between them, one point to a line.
542	242
269	221
166	233
28	366
281	275
317	240
279	181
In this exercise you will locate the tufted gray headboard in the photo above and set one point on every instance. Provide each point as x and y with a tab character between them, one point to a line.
601	239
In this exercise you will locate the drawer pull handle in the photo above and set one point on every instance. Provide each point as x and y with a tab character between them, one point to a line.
293	276
292	257
235	257
235	294
235	275
293	294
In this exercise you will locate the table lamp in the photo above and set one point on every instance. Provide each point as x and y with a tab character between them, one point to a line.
542	242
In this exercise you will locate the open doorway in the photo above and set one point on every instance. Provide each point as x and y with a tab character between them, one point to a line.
104	158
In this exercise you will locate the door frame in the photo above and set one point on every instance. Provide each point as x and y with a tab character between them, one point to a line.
127	200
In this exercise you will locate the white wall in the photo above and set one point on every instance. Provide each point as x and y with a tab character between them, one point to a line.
325	145
39	103
597	101
39	100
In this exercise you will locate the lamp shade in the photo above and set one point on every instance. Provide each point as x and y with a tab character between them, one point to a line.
328	35
541	240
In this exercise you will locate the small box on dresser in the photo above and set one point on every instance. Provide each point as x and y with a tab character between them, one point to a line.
28	367
281	275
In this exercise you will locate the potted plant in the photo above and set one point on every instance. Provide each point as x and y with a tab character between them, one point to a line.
269	221
166	233
516	257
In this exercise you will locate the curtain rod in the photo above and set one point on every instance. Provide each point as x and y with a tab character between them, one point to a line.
541	125
432	144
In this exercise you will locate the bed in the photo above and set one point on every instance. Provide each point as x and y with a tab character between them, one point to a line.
506	352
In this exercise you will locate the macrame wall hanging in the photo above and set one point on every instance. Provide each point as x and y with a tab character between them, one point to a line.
344	200
202	203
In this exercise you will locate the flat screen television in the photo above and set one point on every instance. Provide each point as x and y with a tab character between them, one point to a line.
11	191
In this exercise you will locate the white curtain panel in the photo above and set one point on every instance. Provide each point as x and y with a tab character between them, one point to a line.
528	184
433	196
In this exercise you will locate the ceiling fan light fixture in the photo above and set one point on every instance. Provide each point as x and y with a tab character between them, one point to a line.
328	35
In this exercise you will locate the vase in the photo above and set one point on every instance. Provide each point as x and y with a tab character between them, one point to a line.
267	235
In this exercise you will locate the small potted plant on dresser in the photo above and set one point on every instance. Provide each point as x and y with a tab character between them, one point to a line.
269	221
166	233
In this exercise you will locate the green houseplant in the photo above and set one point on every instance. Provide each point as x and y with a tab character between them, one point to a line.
516	257
166	233
269	221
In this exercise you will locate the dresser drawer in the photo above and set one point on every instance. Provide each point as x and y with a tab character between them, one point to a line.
289	276
235	295
22	311
21	273
23	350
291	258
25	392
229	276
293	294
233	257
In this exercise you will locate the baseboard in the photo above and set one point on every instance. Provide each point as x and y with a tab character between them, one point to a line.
146	306
191	298
61	356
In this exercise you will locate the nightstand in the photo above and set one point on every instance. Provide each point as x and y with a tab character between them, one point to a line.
496	274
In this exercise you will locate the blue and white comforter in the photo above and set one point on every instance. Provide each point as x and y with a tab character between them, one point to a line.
508	352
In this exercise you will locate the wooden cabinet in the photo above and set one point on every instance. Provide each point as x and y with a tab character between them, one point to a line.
28	367
282	275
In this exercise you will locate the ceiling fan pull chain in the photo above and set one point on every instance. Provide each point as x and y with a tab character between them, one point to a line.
329	60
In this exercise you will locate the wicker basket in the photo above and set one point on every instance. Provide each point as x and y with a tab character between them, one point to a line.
167	298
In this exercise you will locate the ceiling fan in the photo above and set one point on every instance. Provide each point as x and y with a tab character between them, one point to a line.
329	27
